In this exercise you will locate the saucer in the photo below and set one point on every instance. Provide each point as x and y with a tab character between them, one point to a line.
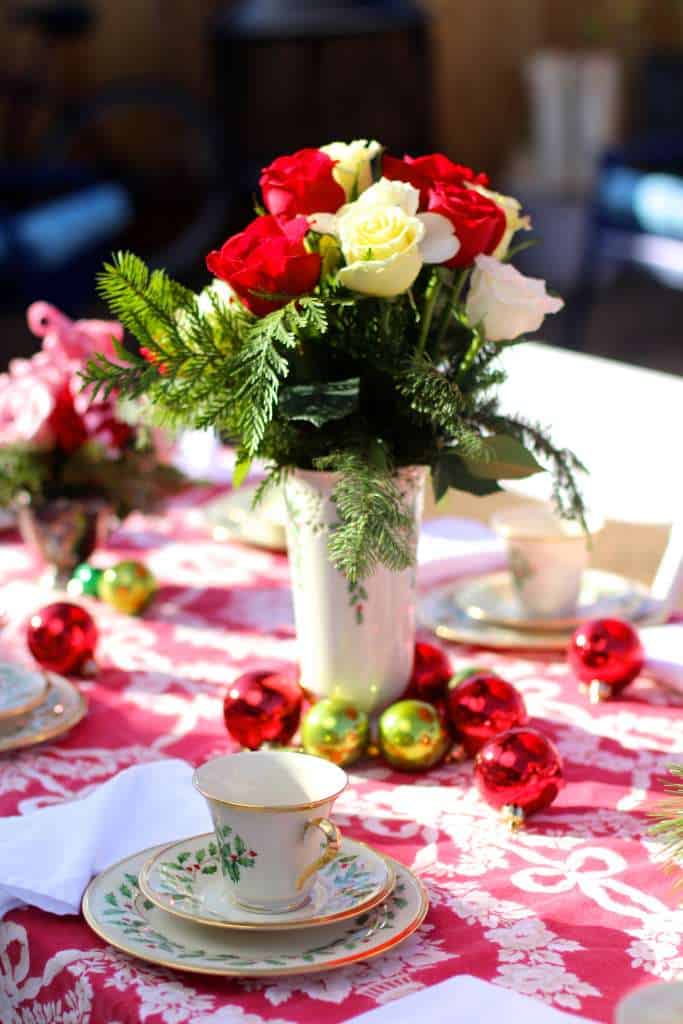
438	612
185	880
117	911
493	598
21	690
233	518
62	708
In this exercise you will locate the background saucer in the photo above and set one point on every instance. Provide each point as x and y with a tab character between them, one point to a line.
233	518
21	690
62	708
493	598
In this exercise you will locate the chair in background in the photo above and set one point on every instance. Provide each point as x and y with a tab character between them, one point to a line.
636	211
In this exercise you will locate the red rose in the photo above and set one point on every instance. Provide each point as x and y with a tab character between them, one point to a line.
269	256
66	425
425	172
479	223
105	429
301	183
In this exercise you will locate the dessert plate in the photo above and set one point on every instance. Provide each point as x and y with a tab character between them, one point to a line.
492	598
118	912
185	879
21	690
62	708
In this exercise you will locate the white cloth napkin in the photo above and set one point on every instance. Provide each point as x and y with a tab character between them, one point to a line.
664	653
466	1000
48	857
451	547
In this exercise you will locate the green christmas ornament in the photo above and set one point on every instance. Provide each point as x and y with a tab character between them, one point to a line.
128	587
336	730
412	735
85	581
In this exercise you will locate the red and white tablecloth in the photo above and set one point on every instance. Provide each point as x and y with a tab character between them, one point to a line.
576	910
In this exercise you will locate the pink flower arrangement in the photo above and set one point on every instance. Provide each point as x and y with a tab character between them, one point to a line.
42	404
58	441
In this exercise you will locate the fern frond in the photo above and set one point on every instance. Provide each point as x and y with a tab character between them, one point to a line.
563	464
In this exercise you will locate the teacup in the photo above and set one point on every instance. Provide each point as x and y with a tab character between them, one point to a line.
270	810
547	556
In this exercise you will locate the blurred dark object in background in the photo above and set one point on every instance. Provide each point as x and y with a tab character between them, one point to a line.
296	73
636	211
134	164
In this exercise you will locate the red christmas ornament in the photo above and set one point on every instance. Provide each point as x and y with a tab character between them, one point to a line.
481	706
62	637
431	672
263	707
606	655
519	772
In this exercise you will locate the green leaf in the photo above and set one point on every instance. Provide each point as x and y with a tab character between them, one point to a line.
505	458
209	869
320	402
241	471
450	471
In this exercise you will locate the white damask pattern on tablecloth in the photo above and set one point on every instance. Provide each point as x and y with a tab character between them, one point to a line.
574	911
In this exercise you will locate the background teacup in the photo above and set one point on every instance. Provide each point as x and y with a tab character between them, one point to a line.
270	812
547	557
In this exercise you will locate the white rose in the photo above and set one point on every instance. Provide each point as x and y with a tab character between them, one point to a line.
218	291
514	221
385	241
506	303
353	159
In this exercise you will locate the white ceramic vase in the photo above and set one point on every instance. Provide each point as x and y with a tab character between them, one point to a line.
355	641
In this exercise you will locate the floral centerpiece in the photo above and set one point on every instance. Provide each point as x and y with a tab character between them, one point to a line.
351	341
66	461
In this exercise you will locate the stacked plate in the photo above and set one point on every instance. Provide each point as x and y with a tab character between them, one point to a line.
170	906
485	611
35	706
233	517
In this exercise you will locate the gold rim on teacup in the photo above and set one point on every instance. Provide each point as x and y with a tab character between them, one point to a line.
264	808
514	522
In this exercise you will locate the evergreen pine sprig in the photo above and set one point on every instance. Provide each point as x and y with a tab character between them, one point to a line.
669	816
563	464
375	527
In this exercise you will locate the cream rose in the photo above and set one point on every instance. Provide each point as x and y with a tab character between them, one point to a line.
384	241
353	164
512	208
504	302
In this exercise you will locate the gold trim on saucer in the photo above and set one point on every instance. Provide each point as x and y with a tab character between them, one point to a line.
23	709
361	955
61	726
266	926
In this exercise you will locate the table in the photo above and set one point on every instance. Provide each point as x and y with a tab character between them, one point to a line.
575	911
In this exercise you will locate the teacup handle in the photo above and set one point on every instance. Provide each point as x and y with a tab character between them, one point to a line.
333	839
